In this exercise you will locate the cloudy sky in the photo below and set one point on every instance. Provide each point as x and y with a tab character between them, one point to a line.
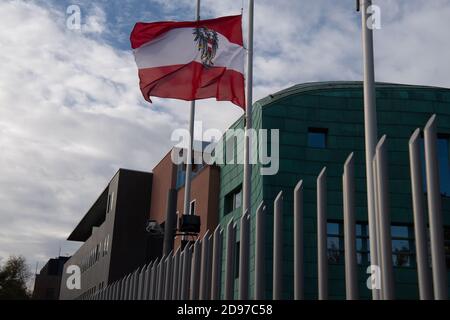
71	112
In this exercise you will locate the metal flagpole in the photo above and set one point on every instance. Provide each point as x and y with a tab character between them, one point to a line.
187	183
370	124
246	207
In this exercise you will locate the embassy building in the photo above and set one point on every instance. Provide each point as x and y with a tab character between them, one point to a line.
320	125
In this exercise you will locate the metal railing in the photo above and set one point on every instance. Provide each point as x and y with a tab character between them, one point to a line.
195	272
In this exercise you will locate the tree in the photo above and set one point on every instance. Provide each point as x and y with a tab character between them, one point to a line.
14	275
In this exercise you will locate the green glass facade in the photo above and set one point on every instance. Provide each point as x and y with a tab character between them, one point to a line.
336	109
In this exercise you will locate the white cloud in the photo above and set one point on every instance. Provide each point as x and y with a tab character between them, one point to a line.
71	112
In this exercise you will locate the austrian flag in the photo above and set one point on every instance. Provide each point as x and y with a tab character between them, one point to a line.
191	60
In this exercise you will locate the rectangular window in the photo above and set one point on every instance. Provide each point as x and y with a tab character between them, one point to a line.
444	164
443	151
447	245
402	246
106	244
317	138
362	244
335	242
192	208
110	201
97	252
233	200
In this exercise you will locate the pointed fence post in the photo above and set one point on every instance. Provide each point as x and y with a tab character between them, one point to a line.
260	250
153	280
387	270
186	272
145	292
205	267
168	278
229	267
136	284
435	212
176	279
322	255
132	286
216	263
244	253
278	247
299	271
161	278
119	290
351	264
180	274
420	224
141	283
115	287
378	282
126	288
195	273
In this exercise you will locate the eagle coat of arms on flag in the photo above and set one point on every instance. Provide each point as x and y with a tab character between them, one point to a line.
191	60
207	43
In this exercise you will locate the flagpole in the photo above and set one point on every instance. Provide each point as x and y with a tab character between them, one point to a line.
248	113
370	124
187	183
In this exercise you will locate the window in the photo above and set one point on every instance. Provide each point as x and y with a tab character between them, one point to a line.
106	244
97	252
335	242
317	138
444	164
402	246
447	245
192	207
233	200
109	204
443	150
362	244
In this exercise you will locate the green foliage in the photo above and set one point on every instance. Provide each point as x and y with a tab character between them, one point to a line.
14	275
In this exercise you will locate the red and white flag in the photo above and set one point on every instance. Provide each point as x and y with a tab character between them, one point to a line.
191	60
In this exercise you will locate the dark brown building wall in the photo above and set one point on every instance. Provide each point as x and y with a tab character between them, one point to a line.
205	191
164	178
46	287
